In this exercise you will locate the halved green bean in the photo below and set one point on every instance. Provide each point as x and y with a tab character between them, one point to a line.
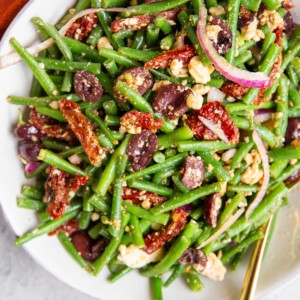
187	198
150	187
146	214
170	162
32	204
108	174
203	146
156	288
193	280
39	73
69	66
135	231
45	228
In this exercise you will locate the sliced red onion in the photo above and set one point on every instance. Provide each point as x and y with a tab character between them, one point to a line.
242	77
13	58
215	129
266	168
31	167
215	94
223	228
262	115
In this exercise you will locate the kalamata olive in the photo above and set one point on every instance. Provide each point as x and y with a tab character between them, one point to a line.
289	24
141	148
83	243
98	247
292	131
212	209
30	151
139	79
293	178
193	172
224	40
245	17
171	101
193	256
87	86
27	132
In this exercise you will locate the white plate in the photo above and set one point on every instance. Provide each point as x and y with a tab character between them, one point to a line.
280	266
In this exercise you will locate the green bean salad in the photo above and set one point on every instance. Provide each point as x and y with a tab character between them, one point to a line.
162	135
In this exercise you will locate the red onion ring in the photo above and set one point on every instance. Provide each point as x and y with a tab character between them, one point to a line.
266	168
262	115
31	167
242	77
13	58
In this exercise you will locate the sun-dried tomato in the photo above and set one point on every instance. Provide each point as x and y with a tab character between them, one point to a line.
164	59
50	128
82	27
142	198
57	188
233	89
83	130
157	239
217	114
134	121
142	21
69	227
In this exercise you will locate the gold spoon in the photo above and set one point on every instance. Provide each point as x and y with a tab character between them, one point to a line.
251	278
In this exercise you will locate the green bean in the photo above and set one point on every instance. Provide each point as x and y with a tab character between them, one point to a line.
211	3
233	15
139	40
170	162
150	187
205	234
113	3
69	66
94	231
281	117
231	207
285	153
32	192
111	67
218	169
83	50
84	220
112	120
163	24
294	113
288	171
141	55
120	273
135	231
97	119
237	106
185	23
251	4
122	60
292	75
156	288
272	4
238	258
152	35
146	214
238	248
55	160
263	209
178	271
108	174
94	36
180	134
45	228
295	37
242	188
266	66
197	213
163	174
175	252
39	73
162	76
167	42
176	178
53	113
268	41
41	168
193	280
246	46
242	58
159	157
240	154
110	249
68	245
289	56
277	167
152	8
203	146
294	96
32	204
187	198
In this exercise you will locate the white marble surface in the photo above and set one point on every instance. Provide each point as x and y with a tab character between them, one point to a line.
21	278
